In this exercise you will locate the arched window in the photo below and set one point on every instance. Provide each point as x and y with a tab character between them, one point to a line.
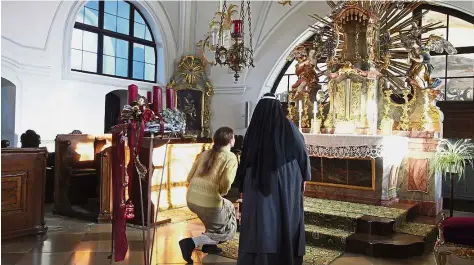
456	71
112	38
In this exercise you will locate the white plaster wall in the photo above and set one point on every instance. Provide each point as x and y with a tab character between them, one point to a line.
52	100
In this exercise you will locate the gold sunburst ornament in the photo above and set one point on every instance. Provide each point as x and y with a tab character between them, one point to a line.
191	68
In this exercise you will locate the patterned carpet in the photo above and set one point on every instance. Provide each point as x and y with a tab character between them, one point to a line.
178	215
314	255
328	224
348	211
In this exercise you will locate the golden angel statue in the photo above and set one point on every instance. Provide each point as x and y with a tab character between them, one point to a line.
419	56
305	70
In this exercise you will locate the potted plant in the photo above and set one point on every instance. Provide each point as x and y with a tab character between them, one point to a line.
452	158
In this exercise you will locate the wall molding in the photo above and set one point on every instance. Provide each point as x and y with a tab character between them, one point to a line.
116	83
238	89
187	27
22	68
296	6
262	18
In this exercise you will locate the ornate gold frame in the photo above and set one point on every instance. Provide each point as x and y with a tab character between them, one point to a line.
352	187
443	249
190	75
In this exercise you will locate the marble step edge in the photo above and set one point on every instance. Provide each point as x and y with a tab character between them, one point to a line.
357	210
352	222
330	238
333	220
398	245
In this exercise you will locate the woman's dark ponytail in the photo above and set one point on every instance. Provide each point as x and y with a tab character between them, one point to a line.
222	137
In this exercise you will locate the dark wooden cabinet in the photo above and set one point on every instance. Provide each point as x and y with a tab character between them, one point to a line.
458	119
23	188
459	124
463	187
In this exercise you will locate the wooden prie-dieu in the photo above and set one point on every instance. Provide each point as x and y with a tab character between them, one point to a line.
23	186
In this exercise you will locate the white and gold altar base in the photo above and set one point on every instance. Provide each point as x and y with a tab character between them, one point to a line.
385	152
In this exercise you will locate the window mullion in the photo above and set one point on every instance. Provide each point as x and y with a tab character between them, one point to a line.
100	38
130	43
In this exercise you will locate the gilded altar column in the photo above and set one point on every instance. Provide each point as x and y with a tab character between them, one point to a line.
372	109
426	124
386	124
305	118
329	123
405	119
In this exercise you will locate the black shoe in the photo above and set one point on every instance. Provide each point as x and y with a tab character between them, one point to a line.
187	246
211	249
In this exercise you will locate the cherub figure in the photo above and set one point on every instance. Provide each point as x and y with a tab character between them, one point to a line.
419	55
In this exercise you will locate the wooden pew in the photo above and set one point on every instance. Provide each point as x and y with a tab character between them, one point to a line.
23	187
104	160
76	156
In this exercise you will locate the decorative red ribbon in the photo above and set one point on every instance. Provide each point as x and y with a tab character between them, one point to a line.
118	174
162	123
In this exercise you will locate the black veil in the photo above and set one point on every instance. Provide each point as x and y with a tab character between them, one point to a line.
269	143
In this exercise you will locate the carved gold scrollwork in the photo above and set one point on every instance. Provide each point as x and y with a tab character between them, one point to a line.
355	102
190	75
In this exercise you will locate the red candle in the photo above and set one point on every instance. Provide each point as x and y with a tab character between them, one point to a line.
237	29
170	100
132	93
157	99
149	98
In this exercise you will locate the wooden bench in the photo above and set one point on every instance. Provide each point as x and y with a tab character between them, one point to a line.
76	158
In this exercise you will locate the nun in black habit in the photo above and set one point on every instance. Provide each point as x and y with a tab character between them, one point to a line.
274	166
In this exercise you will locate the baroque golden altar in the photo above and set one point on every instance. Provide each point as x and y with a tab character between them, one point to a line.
375	59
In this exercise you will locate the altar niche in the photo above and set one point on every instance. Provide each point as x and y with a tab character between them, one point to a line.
346	173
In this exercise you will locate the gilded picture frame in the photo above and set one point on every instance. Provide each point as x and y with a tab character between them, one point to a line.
193	94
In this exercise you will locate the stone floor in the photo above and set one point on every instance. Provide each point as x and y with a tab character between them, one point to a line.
75	242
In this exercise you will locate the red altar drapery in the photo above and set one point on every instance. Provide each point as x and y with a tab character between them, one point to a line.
120	242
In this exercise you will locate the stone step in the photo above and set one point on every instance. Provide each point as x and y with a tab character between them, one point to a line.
396	245
334	219
330	238
353	217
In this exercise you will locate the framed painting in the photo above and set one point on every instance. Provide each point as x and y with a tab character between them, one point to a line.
191	103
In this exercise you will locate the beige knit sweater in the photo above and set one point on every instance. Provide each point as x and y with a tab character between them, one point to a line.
206	190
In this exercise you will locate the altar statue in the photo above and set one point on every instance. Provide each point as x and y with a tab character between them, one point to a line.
301	91
305	70
419	56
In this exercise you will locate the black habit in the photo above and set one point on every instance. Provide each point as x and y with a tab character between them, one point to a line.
274	165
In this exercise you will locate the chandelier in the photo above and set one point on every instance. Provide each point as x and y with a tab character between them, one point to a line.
228	39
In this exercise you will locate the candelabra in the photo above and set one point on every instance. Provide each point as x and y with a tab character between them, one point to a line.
238	55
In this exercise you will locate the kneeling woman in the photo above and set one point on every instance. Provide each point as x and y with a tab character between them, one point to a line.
210	178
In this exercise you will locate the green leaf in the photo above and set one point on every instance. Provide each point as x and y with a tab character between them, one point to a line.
452	157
